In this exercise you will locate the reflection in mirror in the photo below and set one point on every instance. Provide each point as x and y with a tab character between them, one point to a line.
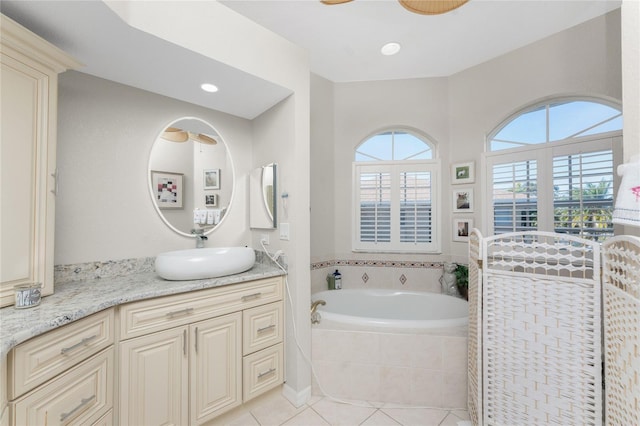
262	193
191	171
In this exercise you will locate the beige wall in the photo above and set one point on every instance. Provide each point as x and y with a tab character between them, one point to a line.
322	169
457	112
105	133
584	60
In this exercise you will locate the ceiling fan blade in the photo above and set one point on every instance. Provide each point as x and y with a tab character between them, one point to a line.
330	2
174	134
202	138
431	7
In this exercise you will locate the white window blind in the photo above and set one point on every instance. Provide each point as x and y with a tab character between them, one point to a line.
566	188
395	206
375	207
515	196
415	207
583	194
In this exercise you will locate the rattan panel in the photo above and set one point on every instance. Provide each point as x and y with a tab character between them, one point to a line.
621	281
541	330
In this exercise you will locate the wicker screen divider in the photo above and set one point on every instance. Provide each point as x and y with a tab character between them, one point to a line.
621	294
474	345
541	330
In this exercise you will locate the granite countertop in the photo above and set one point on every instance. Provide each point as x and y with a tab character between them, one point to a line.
78	299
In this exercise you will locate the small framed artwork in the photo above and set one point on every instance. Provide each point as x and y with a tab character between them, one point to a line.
462	200
212	179
461	229
169	189
211	200
462	173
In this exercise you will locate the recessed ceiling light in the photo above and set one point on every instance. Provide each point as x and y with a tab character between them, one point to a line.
207	87
390	49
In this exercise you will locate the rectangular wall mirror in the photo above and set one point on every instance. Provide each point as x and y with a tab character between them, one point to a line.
263	197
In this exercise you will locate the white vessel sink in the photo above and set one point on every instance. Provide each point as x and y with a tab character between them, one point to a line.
196	264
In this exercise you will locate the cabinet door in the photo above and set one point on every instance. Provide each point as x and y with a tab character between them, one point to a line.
25	227
154	379
216	370
29	87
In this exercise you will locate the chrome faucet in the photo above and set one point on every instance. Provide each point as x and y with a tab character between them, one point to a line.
200	237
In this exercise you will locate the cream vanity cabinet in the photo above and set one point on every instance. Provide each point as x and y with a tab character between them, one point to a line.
29	87
65	376
187	358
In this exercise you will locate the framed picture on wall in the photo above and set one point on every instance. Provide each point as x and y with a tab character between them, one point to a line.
462	200
212	179
462	173
169	189
461	229
211	200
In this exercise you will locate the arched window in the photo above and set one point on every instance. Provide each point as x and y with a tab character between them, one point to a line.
555	121
550	167
396	193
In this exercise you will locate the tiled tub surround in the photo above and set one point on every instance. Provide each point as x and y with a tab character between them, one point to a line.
425	369
88	288
383	274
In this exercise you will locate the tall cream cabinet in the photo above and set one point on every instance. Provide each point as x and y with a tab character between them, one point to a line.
29	91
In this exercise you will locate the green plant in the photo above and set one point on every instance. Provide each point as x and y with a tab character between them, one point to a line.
462	275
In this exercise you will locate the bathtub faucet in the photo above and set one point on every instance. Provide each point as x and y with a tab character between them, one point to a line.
314	305
315	316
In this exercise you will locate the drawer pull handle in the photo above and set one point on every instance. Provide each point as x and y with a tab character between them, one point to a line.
251	296
263	329
185	311
83	402
77	345
266	373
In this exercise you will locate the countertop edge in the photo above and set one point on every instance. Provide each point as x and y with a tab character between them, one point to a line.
76	300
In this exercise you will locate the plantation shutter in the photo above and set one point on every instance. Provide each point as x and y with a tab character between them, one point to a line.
375	207
415	207
394	206
583	194
515	196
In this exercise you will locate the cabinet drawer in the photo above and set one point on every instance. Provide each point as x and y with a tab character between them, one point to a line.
80	396
153	315
106	420
44	357
262	327
262	371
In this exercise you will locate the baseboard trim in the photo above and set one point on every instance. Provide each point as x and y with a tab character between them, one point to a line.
298	399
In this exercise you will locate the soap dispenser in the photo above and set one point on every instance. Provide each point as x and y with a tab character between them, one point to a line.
337	276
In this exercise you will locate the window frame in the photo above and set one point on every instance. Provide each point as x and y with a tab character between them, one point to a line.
544	155
545	103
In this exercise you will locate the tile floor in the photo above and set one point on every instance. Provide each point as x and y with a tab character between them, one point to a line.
272	409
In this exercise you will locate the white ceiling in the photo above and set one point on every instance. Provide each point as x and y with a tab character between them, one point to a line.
93	34
343	42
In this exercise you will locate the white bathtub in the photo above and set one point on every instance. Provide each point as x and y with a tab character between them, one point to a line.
392	309
405	347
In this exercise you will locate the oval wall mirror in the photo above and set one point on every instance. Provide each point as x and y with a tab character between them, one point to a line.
191	176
